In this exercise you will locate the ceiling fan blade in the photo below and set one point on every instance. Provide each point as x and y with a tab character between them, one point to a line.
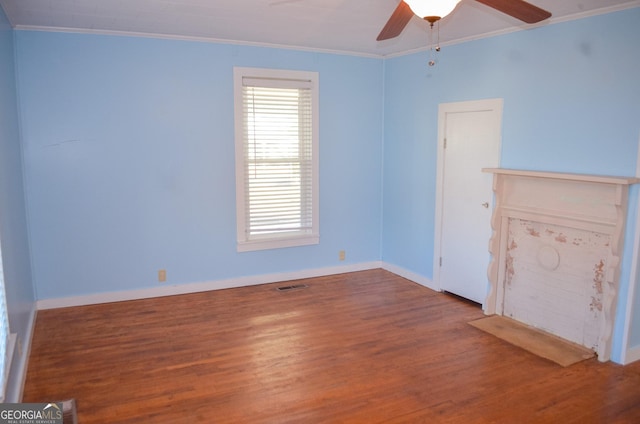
396	23
519	9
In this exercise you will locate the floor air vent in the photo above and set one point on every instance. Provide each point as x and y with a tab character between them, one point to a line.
294	287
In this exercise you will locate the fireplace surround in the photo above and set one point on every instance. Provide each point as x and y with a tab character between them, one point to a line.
556	246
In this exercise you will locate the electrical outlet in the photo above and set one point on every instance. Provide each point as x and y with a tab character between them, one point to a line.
162	275
341	255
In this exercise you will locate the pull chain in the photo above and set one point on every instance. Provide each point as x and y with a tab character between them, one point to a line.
432	55
432	61
438	42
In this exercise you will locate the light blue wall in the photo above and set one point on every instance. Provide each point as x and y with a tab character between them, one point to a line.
571	104
129	152
13	218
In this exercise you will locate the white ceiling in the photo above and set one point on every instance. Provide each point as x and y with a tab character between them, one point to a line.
349	26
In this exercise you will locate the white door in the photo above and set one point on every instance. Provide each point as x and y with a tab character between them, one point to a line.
469	134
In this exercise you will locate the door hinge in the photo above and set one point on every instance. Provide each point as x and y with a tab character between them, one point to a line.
445	143
440	260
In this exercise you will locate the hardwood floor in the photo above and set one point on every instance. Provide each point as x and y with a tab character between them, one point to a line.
364	347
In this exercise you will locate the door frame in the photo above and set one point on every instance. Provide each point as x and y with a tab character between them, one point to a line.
495	105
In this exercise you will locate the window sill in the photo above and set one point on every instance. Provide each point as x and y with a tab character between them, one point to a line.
277	243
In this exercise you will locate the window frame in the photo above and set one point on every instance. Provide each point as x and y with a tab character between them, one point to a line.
245	241
7	340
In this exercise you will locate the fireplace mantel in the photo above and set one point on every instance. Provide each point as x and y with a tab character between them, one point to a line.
557	240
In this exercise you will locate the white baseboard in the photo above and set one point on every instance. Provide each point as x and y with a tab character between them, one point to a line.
20	362
409	275
176	289
14	394
631	355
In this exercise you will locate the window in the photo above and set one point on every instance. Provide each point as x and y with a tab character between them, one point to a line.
276	116
5	350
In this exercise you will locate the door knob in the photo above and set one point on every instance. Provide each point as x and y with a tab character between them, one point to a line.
486	205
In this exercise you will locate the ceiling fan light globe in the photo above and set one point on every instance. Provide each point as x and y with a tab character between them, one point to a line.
432	8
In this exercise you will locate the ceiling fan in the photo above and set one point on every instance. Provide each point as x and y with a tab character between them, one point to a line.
401	16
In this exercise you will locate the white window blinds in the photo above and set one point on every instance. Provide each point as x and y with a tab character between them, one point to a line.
276	162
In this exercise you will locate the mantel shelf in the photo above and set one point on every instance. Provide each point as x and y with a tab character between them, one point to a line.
606	179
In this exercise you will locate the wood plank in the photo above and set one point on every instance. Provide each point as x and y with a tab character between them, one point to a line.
535	341
362	347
